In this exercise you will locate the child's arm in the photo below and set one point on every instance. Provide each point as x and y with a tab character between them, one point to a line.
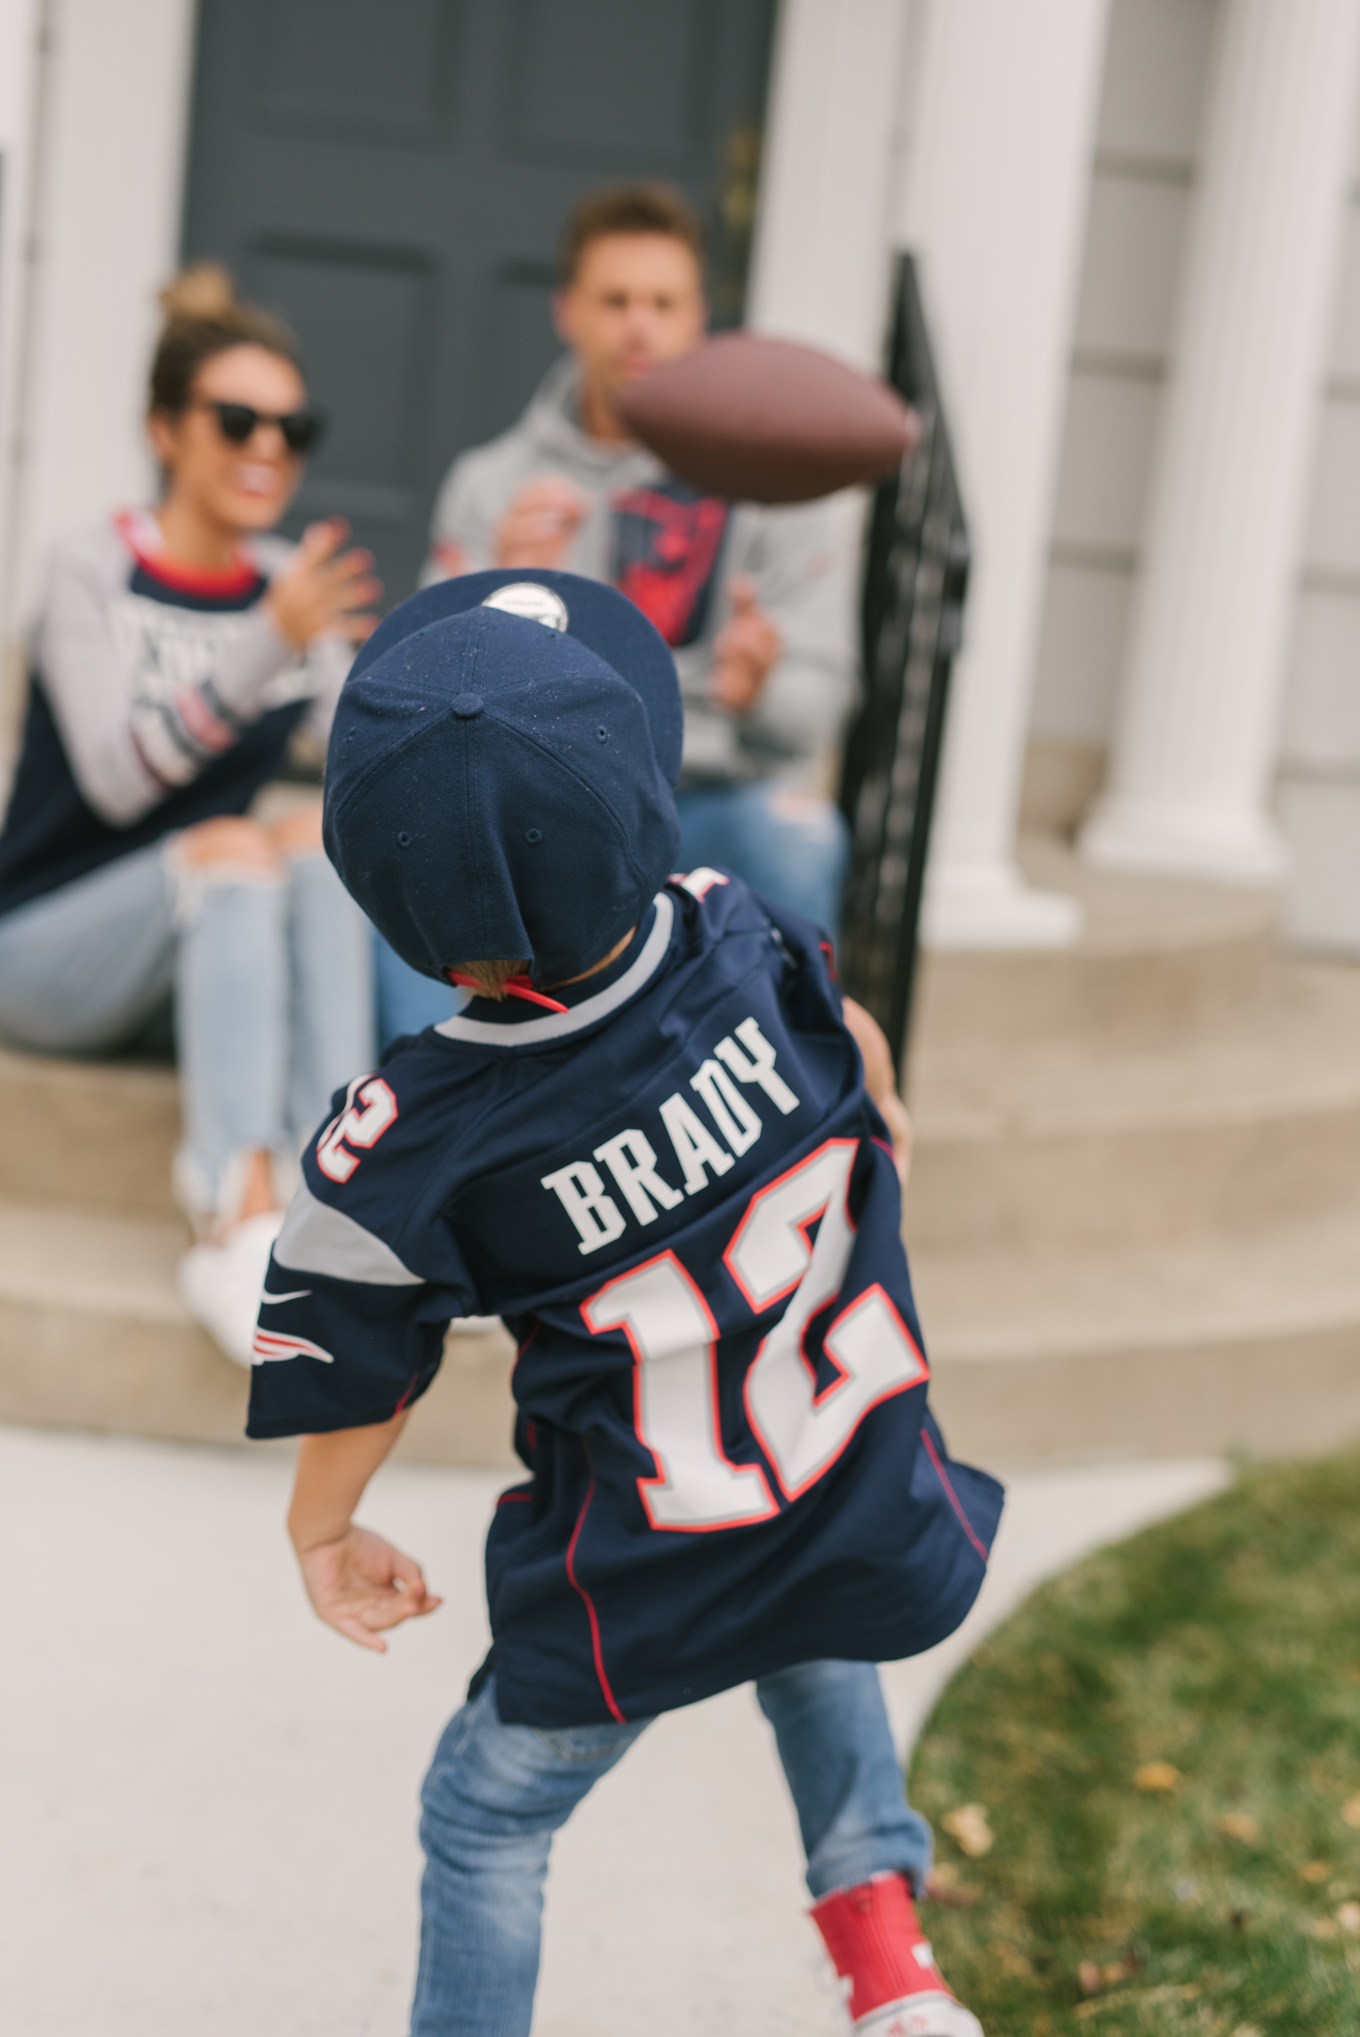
357	1582
880	1080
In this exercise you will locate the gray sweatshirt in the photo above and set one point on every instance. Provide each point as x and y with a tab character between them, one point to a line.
159	698
794	556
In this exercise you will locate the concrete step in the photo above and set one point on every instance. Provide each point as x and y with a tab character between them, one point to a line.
94	1135
93	1335
1217	1346
1161	966
1049	1144
1158	956
1158	959
1176	1351
1069	1145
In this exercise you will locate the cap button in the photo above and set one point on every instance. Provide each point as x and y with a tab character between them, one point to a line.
467	705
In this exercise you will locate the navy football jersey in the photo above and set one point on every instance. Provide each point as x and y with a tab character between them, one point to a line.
682	1202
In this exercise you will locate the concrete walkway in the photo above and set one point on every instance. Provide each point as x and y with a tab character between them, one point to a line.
208	1799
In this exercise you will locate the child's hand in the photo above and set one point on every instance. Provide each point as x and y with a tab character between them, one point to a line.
361	1584
880	1080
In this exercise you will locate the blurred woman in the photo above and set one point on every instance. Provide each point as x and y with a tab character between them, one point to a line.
178	654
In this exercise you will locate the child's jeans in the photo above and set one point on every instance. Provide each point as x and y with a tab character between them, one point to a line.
495	1794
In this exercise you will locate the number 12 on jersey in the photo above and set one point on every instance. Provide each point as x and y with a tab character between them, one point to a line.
673	1338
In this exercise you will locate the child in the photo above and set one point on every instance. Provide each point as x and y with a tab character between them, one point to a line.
647	1144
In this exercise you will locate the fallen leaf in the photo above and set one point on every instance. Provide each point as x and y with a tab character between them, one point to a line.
1156	1775
1088	1977
1121	1969
944	1886
1239	1825
969	1828
1348	1917
1351	1812
1314	1871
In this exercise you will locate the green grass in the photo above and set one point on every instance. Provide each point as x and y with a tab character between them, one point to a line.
1226	1643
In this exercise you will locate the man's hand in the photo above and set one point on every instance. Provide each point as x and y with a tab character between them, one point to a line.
538	527
360	1585
324	588
745	652
880	1080
448	560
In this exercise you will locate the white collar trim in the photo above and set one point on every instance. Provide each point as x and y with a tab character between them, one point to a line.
556	1025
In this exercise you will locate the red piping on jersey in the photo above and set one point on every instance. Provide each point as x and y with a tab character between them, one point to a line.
514	986
406	1398
589	1603
240	578
967	1525
886	1147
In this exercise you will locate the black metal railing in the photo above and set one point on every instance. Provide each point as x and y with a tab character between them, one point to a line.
915	578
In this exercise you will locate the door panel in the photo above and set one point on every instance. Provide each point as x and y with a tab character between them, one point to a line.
384	76
598	83
392	175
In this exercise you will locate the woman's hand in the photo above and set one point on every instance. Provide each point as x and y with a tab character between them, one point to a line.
538	527
361	1585
324	588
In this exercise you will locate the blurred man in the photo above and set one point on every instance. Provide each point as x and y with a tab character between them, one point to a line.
755	602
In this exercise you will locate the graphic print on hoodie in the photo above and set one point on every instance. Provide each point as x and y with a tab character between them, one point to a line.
667	542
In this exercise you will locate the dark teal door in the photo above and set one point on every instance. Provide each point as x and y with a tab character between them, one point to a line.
391	176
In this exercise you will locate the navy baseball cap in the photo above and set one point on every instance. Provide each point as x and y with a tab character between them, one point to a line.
499	779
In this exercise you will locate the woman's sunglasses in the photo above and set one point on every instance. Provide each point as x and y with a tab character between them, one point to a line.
238	422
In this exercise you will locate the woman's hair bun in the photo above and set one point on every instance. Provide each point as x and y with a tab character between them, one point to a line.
201	294
201	315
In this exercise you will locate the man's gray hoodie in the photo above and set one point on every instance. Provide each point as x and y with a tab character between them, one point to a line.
795	557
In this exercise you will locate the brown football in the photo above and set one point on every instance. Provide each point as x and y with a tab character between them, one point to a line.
766	420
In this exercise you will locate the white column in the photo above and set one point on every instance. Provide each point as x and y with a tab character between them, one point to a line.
996	188
1196	736
20	79
820	266
111	188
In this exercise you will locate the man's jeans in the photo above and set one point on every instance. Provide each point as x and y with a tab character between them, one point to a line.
272	980
495	1795
792	846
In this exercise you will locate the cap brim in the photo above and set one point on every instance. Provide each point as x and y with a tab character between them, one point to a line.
597	615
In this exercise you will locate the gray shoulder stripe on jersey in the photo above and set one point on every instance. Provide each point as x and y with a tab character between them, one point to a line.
318	1239
558	1024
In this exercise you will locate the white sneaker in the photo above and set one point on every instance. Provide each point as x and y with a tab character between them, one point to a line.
222	1284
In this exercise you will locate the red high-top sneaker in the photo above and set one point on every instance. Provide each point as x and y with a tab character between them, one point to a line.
896	1989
